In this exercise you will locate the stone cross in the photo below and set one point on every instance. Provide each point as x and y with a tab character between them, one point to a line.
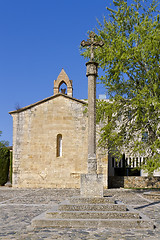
92	183
92	43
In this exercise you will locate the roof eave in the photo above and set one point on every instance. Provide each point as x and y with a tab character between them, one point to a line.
45	100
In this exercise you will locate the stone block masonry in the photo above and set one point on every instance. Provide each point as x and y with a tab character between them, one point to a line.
35	160
50	141
134	182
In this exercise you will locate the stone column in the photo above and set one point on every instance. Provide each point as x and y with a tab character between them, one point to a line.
92	74
92	183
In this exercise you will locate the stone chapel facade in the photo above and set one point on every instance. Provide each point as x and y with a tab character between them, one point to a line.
50	141
50	146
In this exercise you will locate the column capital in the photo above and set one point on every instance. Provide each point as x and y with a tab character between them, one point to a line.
92	68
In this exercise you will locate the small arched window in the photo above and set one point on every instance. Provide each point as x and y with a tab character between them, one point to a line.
59	145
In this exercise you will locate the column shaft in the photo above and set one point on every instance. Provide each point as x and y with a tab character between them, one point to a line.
92	74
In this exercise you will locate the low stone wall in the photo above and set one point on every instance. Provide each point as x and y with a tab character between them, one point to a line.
134	182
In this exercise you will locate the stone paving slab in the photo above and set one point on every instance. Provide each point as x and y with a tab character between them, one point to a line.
19	206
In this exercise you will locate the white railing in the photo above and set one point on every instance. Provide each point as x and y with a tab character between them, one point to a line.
128	162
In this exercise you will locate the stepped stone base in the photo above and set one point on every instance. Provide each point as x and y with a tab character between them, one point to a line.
152	195
92	213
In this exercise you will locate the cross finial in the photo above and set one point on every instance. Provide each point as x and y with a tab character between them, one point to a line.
92	44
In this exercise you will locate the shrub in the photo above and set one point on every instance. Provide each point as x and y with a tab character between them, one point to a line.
4	164
10	167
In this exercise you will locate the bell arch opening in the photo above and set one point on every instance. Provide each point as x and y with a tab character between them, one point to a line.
63	84
62	88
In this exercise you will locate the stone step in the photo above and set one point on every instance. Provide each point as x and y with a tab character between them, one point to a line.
92	207
97	200
92	215
42	222
152	195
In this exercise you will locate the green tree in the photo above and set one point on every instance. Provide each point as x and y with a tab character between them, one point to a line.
4	161
131	67
3	143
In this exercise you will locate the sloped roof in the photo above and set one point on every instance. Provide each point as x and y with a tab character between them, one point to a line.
45	100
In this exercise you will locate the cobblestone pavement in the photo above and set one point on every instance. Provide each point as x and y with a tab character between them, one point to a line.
19	206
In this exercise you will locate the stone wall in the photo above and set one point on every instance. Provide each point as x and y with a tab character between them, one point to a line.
134	182
35	130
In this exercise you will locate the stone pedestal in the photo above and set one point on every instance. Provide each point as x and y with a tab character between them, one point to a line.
91	185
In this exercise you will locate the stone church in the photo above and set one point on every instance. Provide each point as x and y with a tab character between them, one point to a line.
50	146
50	141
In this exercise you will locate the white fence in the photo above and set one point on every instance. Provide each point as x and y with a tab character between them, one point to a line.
128	162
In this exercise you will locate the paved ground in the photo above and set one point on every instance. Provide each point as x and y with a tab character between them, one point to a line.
19	206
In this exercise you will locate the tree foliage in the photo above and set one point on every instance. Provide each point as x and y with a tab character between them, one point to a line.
4	161
3	143
131	67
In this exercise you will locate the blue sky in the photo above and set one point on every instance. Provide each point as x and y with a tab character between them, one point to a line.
37	39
